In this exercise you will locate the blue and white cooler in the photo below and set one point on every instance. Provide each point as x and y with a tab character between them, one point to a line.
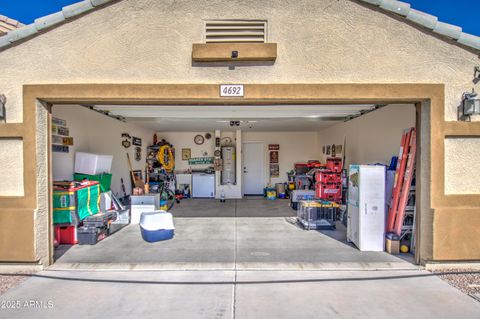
156	226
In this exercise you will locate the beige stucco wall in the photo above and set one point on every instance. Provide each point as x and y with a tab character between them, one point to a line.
462	160
146	41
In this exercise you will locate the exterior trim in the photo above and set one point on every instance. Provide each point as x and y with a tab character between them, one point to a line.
222	52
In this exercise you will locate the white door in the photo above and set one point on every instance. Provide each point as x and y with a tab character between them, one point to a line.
253	168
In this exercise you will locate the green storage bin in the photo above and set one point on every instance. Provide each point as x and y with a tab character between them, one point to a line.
105	180
70	206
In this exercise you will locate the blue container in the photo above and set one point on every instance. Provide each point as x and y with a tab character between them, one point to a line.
156	226
157	235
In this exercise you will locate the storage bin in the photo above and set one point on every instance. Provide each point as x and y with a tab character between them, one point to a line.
328	177
327	191
301	168
334	164
100	219
153	199
105	180
88	235
92	164
317	214
72	205
302	194
66	235
157	226
271	194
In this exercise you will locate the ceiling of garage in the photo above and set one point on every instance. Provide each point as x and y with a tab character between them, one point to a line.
251	117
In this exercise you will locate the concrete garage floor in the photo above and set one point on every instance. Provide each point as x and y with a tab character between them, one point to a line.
243	234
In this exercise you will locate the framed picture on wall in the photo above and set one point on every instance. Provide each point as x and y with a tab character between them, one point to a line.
186	154
274	157
274	170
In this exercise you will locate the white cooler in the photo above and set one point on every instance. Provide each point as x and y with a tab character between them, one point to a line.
157	226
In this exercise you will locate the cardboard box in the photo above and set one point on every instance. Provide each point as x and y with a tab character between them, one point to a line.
392	246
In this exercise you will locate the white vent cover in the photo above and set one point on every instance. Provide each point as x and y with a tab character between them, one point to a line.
217	31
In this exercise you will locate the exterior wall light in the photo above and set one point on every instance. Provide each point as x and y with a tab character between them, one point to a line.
3	101
471	103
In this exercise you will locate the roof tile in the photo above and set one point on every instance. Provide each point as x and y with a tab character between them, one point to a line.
77	9
448	30
397	7
48	21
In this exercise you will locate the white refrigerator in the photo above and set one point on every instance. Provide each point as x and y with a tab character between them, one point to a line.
366	207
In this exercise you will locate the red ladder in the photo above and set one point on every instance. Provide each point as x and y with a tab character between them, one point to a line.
403	179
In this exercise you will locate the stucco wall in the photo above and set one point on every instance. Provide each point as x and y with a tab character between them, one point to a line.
147	41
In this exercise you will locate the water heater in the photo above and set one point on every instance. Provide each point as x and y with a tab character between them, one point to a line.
228	171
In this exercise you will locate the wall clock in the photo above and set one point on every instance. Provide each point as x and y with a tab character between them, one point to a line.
199	139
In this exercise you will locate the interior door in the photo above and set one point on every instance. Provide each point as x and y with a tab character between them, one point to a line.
253	168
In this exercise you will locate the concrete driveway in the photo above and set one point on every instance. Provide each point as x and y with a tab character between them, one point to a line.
237	294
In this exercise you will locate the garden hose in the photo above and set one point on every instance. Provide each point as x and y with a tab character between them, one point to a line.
165	157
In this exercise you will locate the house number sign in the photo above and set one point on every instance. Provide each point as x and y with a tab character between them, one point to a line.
231	90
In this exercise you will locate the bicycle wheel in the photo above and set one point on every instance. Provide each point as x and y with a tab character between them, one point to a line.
169	196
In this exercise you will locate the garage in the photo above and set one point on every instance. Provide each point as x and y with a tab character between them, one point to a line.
238	209
103	78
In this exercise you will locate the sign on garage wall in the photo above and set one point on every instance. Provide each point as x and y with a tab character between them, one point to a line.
200	160
273	147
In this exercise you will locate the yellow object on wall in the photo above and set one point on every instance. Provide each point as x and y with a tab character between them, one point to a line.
167	164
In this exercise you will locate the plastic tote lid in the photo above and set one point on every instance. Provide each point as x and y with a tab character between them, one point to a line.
156	220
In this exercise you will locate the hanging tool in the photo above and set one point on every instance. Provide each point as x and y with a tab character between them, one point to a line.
137	183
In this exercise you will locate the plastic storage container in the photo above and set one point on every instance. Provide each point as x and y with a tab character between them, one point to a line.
100	219
105	180
328	177
317	214
92	164
156	226
334	164
328	191
298	195
91	235
66	235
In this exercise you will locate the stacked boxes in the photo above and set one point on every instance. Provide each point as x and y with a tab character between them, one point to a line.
328	184
71	204
317	214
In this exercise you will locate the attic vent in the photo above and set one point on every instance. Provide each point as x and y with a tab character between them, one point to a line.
218	31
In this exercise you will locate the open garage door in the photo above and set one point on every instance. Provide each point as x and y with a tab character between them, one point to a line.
217	226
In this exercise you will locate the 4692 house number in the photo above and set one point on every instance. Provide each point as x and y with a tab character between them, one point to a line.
231	90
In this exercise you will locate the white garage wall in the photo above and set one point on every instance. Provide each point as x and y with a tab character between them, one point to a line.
294	147
96	133
371	138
